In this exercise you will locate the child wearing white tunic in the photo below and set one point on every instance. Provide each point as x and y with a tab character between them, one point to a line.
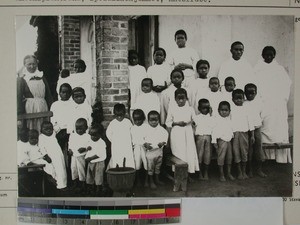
155	139
63	79
227	88
23	157
179	120
138	131
49	144
118	133
136	74
184	58
147	100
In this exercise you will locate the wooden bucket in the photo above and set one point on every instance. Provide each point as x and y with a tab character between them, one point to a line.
121	179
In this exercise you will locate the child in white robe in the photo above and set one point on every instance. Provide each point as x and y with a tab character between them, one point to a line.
227	88
201	84
63	79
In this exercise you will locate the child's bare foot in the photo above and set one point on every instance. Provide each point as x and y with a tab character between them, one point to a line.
146	183
190	180
245	176
261	173
240	176
231	177
250	174
152	185
222	179
200	176
205	177
159	182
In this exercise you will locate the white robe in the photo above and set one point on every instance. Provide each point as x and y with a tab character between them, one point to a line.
273	85
136	75
61	114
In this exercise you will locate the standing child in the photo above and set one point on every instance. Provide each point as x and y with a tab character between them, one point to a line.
255	106
204	125
201	83
242	124
184	58
63	78
48	143
147	100
226	90
221	138
138	131
136	74
118	133
78	144
95	156
179	123
156	138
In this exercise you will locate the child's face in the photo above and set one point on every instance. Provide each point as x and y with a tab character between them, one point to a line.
31	64
214	85
137	120
153	120
250	93
78	97
80	128
181	99
47	129
78	68
33	139
268	56
159	57
180	40
238	99
95	136
229	85
133	60
224	111
237	51
204	108
203	70
146	86
65	93
176	78
120	116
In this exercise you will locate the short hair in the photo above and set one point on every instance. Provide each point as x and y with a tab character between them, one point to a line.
214	78
224	103
202	61
202	101
250	85
66	85
119	108
33	132
160	49
78	89
179	71
132	52
147	79
229	79
180	32
65	73
98	128
237	92
28	57
153	112
269	48
81	121
81	62
45	123
140	113
180	91
236	43
23	134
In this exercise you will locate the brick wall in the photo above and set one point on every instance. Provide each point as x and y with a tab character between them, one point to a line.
112	69
70	41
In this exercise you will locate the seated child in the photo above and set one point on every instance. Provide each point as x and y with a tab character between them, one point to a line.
80	109
118	133
138	134
95	156
147	100
226	90
156	138
63	78
184	58
201	83
49	144
23	157
204	125
136	74
78	144
179	123
242	124
255	105
221	138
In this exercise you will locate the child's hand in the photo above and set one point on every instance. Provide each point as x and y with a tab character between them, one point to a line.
82	150
70	152
161	144
47	158
215	145
148	146
89	148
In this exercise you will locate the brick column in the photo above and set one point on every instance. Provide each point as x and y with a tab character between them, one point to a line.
111	57
70	41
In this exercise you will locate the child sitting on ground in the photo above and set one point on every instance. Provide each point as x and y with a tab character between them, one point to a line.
95	156
138	131
255	105
78	144
242	124
204	125
48	143
221	138
118	133
155	139
226	90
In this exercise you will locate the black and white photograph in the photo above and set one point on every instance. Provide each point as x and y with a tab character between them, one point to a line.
155	105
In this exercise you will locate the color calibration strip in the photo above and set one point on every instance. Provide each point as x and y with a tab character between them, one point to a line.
102	212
